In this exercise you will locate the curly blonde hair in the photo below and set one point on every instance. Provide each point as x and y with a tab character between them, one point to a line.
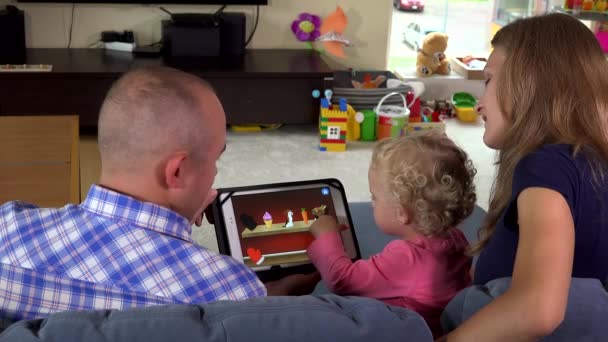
430	177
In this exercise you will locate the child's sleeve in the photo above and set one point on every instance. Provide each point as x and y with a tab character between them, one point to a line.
367	278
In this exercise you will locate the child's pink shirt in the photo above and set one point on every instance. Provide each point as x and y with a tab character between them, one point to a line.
422	274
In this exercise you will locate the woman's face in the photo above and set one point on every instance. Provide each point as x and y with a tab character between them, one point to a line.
487	107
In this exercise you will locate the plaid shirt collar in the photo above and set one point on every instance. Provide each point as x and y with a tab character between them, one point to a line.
120	207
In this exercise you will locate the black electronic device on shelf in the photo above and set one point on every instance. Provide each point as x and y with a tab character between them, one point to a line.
12	35
203	35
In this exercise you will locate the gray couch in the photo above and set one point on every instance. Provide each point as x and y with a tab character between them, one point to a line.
319	317
307	318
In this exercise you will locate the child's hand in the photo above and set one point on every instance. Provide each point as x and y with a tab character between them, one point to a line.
324	223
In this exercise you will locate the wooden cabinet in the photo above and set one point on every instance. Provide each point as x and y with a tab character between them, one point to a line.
262	86
39	160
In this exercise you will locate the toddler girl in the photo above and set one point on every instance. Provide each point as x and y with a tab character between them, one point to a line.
421	187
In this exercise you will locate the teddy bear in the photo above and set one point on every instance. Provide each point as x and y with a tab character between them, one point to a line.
431	58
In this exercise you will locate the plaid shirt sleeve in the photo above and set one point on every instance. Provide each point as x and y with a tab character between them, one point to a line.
29	294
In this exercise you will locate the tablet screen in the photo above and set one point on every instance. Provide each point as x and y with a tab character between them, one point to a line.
270	227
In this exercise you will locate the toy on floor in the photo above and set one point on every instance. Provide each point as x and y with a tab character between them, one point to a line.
586	5
428	119
439	108
431	57
417	89
368	125
354	120
333	123
431	116
254	127
464	105
368	83
444	109
392	119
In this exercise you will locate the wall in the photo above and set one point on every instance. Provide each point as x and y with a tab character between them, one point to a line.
47	25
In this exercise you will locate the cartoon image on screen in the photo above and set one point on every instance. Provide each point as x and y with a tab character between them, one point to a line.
273	228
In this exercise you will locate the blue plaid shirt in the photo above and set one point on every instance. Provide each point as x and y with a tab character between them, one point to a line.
112	251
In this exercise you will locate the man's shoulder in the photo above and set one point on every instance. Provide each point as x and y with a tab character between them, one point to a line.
12	211
18	212
16	206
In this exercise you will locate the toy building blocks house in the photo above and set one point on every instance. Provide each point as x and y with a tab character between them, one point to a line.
333	125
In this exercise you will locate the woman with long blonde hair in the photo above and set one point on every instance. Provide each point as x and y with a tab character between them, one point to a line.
545	111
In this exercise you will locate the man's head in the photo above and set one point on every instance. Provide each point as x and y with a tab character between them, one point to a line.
161	132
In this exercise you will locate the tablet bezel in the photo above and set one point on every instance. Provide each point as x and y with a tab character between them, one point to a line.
224	236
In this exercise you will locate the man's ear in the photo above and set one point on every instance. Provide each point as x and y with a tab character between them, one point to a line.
174	171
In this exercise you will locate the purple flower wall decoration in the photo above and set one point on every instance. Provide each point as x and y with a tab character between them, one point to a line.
306	27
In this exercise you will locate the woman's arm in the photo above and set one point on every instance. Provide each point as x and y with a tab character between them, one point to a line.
535	304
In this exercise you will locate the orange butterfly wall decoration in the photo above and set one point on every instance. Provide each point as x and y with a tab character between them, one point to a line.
332	30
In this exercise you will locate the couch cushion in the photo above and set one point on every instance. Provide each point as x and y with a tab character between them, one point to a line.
306	319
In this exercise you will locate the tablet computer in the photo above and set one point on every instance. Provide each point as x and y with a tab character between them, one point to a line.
267	227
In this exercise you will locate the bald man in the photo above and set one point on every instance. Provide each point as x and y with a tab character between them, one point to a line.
129	243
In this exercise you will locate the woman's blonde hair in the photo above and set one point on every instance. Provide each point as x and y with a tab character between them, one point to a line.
430	177
552	88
